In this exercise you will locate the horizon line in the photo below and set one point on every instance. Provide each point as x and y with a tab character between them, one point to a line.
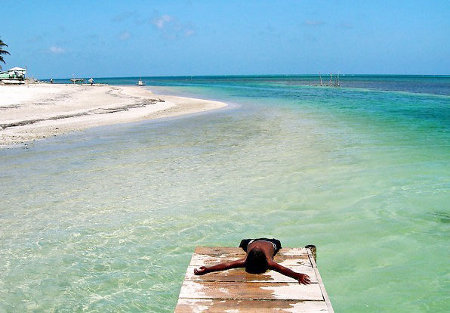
250	75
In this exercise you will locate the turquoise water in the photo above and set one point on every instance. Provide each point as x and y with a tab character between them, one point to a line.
107	219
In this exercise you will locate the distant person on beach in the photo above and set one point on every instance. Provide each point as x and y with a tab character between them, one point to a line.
91	81
259	259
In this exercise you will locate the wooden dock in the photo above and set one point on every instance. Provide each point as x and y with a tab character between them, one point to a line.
237	291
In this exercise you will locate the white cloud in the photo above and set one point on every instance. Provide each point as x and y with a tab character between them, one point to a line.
189	32
124	36
171	27
162	21
57	50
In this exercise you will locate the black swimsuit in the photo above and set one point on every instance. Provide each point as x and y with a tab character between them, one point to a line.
276	243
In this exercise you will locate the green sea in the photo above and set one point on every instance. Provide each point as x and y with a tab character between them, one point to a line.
106	220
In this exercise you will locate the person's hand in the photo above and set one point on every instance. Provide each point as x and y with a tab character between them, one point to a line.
304	279
200	271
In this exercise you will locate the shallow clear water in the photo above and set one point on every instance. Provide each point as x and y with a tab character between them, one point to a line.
107	219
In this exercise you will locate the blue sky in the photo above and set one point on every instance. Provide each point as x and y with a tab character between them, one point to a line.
151	38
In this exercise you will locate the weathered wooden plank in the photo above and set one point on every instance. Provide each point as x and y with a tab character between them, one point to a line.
249	306
209	256
321	285
256	290
239	275
215	251
201	259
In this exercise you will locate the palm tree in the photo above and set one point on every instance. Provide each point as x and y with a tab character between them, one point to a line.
2	44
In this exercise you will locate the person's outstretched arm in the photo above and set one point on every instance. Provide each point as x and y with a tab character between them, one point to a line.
219	267
301	278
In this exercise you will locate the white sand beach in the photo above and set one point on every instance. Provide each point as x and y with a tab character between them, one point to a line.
36	111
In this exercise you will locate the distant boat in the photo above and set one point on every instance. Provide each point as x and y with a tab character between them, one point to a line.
140	83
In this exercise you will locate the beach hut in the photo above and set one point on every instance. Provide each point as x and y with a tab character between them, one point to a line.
13	74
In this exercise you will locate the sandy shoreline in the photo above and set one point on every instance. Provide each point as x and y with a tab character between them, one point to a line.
37	111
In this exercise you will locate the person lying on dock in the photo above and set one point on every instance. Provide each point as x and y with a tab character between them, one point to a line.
258	260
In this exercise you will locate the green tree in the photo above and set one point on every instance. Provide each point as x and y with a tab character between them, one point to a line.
2	44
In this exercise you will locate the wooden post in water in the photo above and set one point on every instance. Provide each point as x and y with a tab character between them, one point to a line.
313	251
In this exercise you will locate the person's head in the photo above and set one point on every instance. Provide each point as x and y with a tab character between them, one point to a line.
256	262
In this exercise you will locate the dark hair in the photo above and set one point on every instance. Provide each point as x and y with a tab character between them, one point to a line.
256	262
